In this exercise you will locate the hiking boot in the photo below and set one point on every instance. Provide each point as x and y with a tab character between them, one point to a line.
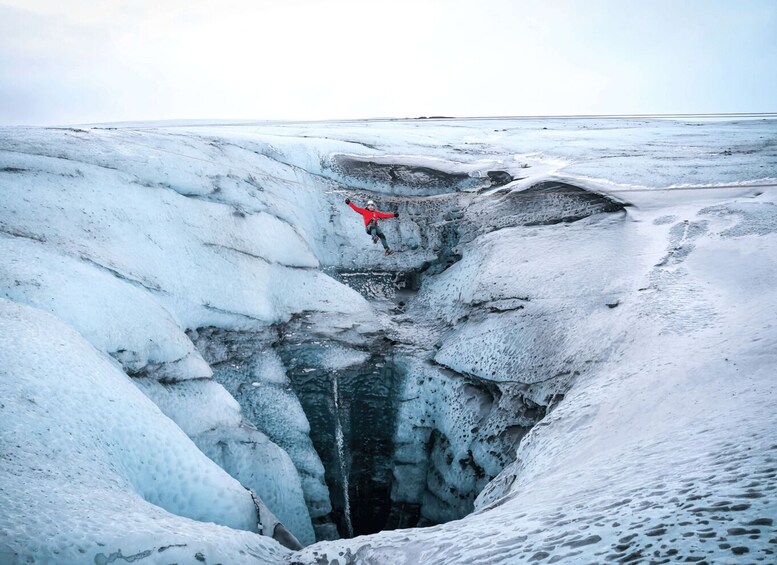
375	239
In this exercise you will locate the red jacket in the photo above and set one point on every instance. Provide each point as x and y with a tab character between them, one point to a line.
370	215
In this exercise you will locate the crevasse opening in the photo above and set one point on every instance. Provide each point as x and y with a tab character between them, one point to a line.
408	430
536	355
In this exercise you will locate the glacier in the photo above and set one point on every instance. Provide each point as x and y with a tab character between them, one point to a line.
92	468
569	358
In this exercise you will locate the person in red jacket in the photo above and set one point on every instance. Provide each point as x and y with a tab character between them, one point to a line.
371	216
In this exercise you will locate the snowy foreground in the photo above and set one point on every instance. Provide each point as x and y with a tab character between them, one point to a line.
583	370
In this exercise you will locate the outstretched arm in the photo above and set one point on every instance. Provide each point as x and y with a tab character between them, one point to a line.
385	215
354	206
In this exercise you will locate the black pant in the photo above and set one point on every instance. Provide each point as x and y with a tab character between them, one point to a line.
374	230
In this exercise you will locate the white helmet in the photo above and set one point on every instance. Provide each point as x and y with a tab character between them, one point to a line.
370	203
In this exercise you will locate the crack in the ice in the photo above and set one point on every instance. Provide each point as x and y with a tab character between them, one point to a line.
123	276
212	308
13	232
263	259
62	158
102	559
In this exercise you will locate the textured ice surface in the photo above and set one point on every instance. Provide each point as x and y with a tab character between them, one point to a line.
657	316
211	417
282	418
192	254
196	406
126	248
255	376
116	316
526	274
261	465
92	468
663	449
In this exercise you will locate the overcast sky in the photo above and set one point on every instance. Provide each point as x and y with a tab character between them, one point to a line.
80	61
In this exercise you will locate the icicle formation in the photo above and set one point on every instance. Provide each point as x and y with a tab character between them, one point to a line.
341	456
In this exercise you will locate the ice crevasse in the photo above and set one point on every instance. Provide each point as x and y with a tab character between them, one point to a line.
579	365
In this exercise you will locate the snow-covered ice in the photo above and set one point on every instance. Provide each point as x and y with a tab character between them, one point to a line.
218	266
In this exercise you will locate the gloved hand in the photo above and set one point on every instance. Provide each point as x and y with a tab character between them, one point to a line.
396	214
347	200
